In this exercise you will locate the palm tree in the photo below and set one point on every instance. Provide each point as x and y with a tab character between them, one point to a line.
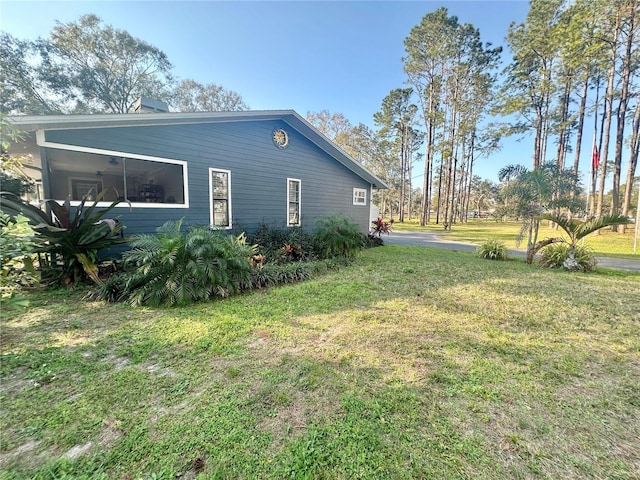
579	229
535	192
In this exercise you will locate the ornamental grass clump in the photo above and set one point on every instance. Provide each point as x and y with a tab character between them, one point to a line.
492	249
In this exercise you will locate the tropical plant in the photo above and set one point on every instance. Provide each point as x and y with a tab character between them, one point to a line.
175	268
276	274
16	258
13	178
379	226
555	255
533	193
336	236
492	249
577	230
272	242
72	239
292	252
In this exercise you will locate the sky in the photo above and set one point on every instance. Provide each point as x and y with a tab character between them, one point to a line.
341	56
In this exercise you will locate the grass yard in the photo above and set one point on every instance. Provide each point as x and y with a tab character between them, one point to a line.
605	244
410	363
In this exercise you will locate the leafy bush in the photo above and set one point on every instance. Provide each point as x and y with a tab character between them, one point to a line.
378	227
72	240
556	254
274	274
16	262
492	249
373	241
282	245
337	236
112	289
16	185
172	268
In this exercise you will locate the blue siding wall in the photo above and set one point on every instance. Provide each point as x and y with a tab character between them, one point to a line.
259	172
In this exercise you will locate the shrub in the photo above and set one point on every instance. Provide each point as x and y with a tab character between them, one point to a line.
74	238
492	249
373	241
291	253
556	254
172	268
112	289
337	236
274	274
16	262
282	245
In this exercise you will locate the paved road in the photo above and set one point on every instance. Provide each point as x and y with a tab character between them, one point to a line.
431	239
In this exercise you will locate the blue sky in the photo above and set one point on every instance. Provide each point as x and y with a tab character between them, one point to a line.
307	56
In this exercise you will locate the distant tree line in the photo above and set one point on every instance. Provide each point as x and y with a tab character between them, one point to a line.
572	60
89	67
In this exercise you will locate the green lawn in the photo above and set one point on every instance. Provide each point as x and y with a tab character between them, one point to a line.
605	243
410	363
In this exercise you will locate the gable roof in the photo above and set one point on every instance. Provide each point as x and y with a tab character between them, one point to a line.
65	122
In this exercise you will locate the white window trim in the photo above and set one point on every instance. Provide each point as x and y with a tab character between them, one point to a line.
229	210
124	204
299	202
360	190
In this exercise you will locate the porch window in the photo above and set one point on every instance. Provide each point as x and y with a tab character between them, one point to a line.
293	202
220	198
143	180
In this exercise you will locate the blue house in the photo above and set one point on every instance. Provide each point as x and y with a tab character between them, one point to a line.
226	169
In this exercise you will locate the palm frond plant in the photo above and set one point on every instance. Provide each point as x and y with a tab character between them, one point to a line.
534	193
555	256
576	230
175	268
72	238
337	236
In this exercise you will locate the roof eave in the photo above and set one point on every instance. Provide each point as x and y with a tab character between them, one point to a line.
60	122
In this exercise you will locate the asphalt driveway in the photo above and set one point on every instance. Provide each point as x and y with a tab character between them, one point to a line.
431	239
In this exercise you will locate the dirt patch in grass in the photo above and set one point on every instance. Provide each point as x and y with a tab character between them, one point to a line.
26	448
288	388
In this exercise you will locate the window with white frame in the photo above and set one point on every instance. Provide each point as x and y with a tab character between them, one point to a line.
293	202
360	196
220	192
142	180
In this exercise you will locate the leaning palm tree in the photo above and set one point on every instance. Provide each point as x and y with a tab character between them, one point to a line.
535	192
577	230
